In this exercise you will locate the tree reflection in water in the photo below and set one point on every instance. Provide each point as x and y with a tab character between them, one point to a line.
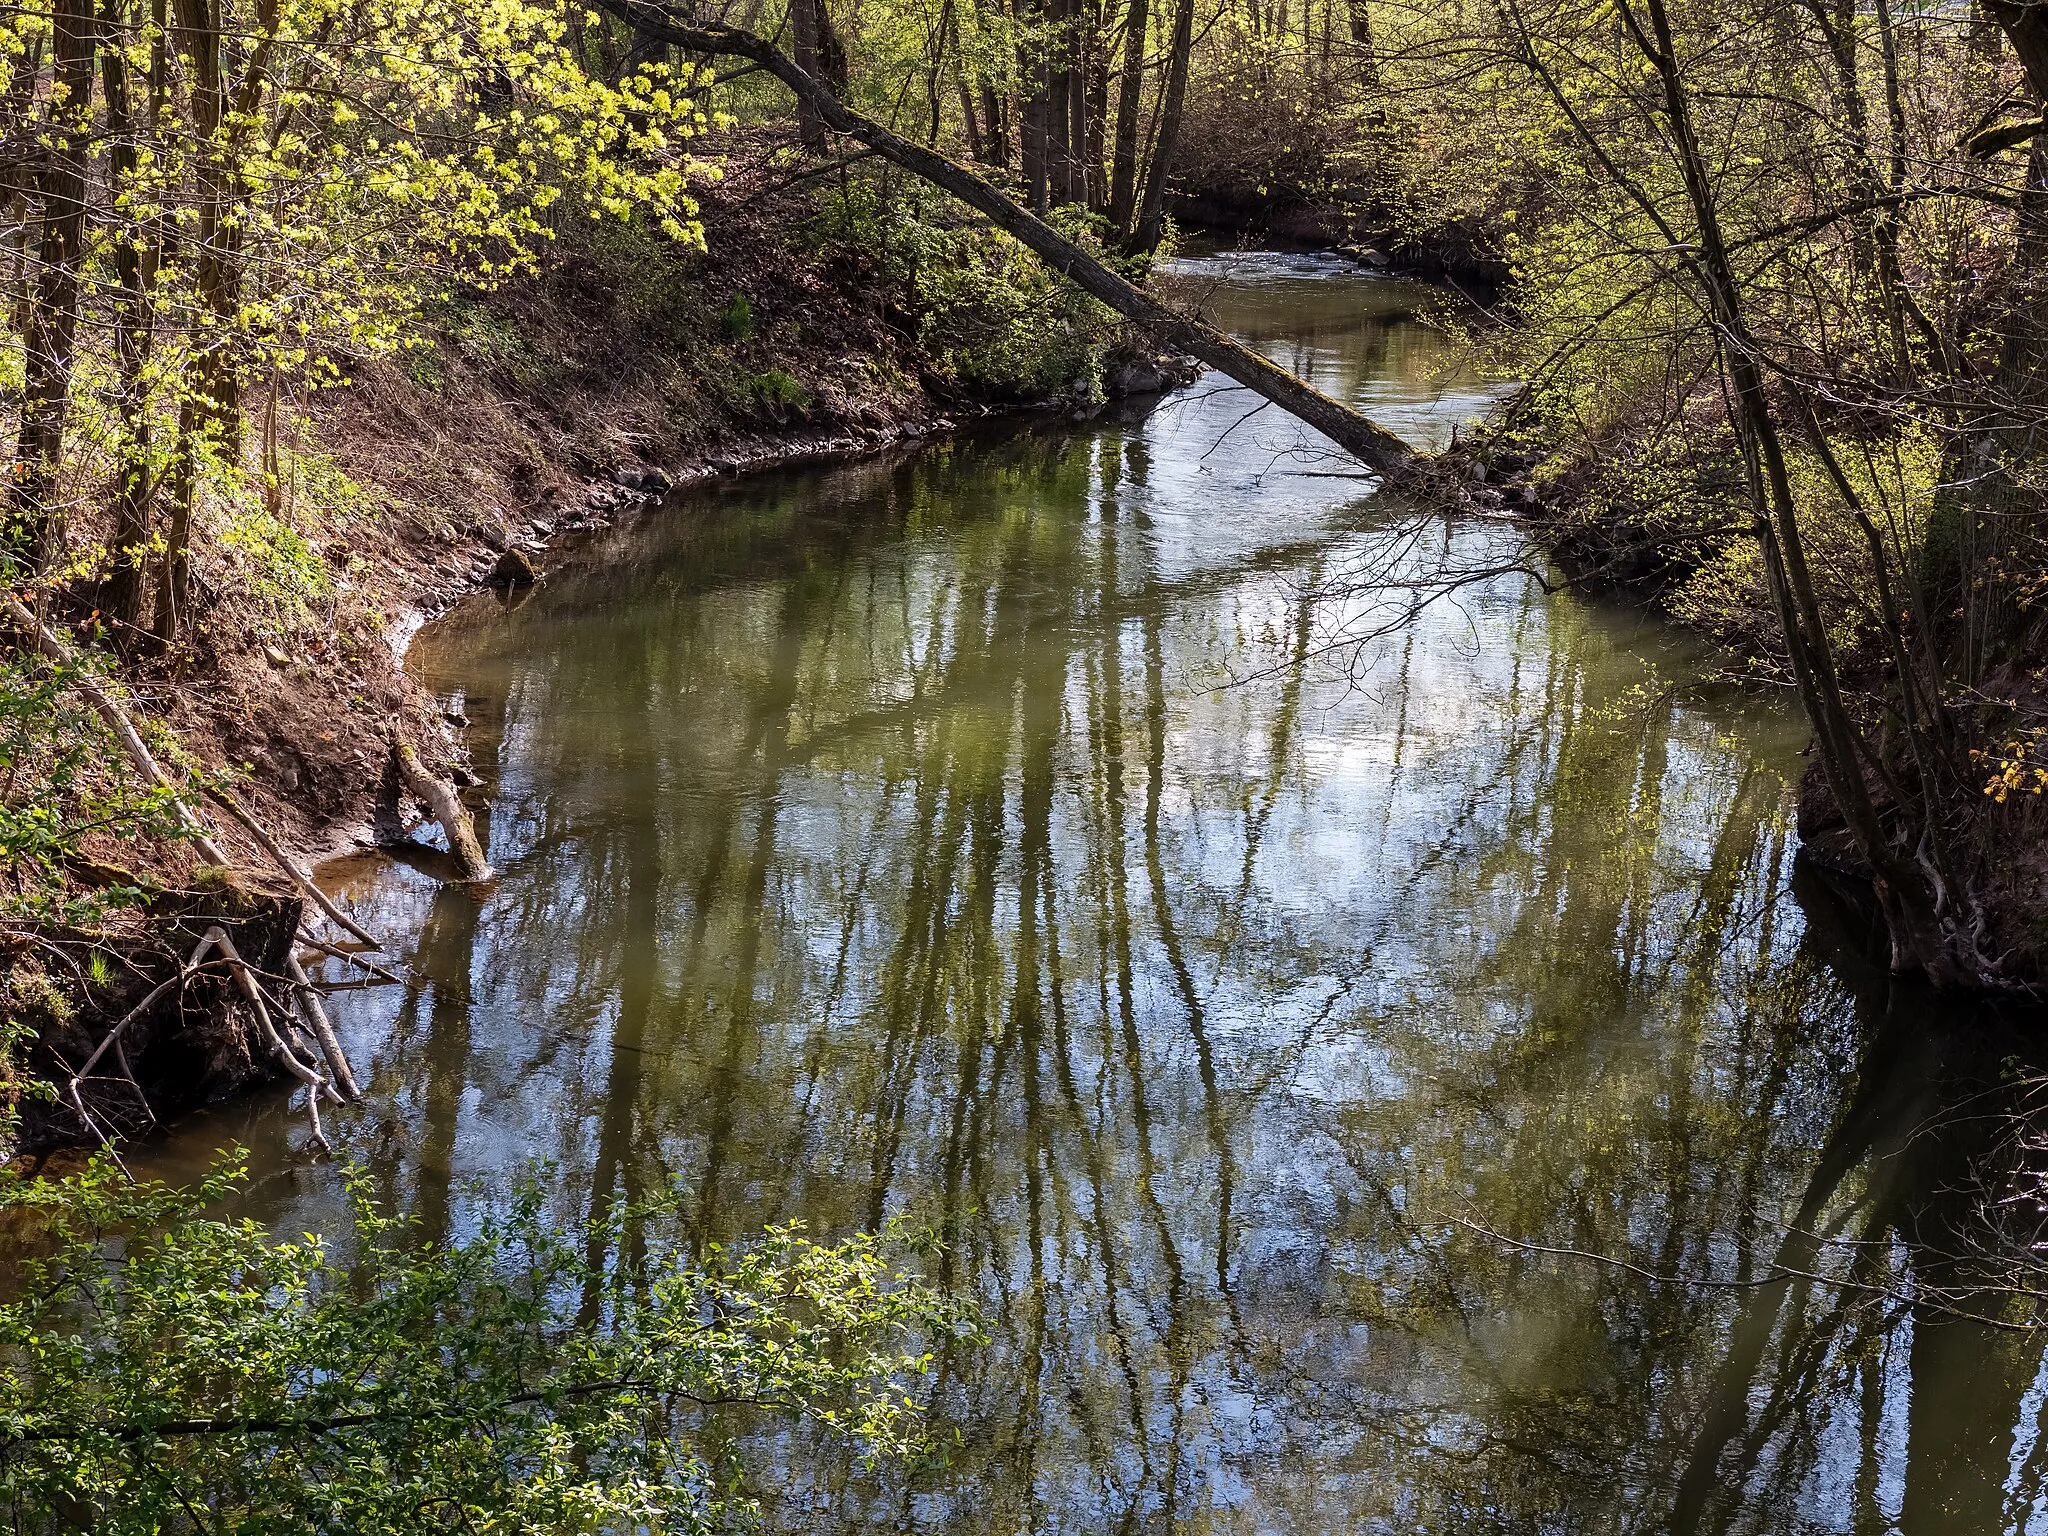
1410	1097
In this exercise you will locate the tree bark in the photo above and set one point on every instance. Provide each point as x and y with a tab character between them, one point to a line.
1130	106
52	332
1365	56
1172	102
803	31
2026	27
1372	444
1031	80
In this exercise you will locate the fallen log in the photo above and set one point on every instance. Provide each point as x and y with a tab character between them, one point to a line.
318	1026
445	806
145	761
118	722
1371	444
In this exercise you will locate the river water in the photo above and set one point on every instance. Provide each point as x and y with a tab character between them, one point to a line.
1366	1073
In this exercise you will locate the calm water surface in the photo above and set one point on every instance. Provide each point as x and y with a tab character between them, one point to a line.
906	837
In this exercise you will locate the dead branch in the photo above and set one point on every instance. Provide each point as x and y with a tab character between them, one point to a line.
445	805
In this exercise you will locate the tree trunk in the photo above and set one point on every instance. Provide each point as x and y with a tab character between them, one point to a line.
209	411
1096	76
803	33
1927	934
1369	442
1058	67
995	127
1152	212
1130	106
1031	81
51	336
135	264
1365	57
2026	26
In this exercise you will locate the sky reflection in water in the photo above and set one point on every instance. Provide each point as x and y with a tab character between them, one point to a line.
890	838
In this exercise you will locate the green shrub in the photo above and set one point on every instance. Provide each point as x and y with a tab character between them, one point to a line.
988	314
198	1374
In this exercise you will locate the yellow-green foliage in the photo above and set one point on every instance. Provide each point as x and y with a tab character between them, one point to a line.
989	314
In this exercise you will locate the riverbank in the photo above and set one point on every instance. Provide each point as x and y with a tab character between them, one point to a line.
1648	507
625	370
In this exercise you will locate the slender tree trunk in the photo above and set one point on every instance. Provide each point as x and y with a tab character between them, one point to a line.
1365	57
1923	936
803	33
209	410
1130	106
1059	93
1173	100
135	265
1031	75
50	341
995	127
977	144
1096	74
24	75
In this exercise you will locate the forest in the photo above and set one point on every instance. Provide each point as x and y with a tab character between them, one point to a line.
1023	764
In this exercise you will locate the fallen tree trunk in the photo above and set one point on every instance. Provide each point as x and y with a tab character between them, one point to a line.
445	806
117	720
1367	441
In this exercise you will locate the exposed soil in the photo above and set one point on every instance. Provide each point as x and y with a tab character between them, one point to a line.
596	390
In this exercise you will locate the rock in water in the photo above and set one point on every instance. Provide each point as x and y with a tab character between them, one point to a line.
513	570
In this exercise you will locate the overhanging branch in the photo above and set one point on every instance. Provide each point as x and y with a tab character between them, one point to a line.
1367	441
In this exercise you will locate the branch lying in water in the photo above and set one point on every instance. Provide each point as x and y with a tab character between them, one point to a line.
1373	445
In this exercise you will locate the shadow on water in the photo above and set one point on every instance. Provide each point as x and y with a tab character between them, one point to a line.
1411	1092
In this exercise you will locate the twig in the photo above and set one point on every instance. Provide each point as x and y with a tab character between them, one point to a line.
298	876
117	718
321	1030
336	952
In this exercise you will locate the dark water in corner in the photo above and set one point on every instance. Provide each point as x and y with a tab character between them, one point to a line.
890	838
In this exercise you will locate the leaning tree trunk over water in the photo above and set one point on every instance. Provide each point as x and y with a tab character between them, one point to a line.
1372	444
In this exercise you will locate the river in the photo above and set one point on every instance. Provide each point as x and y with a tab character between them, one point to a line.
1366	1073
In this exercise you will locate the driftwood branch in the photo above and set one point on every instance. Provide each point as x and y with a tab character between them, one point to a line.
1367	441
316	1085
441	801
284	861
317	1025
349	957
117	720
